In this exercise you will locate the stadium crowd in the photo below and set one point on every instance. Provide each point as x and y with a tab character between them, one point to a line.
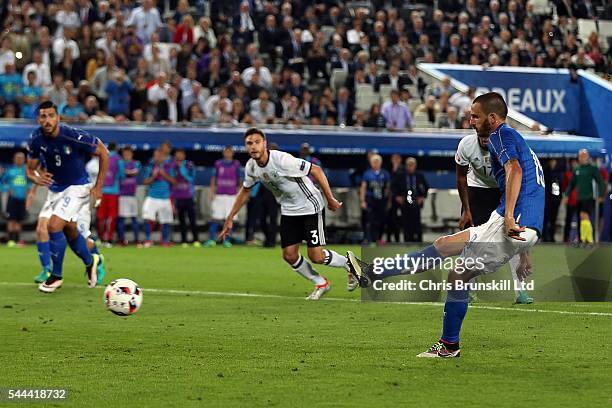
288	62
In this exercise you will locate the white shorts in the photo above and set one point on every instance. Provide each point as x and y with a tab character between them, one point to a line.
128	206
159	209
222	205
72	204
492	247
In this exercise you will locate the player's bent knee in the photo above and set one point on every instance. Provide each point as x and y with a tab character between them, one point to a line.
290	257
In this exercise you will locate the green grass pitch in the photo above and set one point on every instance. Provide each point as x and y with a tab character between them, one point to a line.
199	340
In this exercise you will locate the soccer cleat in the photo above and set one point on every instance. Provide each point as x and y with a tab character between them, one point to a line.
91	271
439	350
523	298
210	243
227	244
43	275
148	244
100	270
51	284
363	271
319	291
352	283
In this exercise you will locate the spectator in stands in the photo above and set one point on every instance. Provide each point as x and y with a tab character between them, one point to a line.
10	85
204	30
57	93
169	111
430	108
374	198
410	187
375	118
244	28
393	78
118	89
262	109
101	78
263	73
41	70
345	109
450	120
30	96
215	102
72	110
7	55
193	95
146	19
184	31
396	113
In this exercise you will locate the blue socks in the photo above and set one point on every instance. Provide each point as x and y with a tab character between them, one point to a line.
135	228
44	255
121	229
57	248
416	262
455	309
79	247
148	230
165	233
212	230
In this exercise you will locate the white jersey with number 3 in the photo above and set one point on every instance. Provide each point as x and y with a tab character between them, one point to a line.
287	178
469	153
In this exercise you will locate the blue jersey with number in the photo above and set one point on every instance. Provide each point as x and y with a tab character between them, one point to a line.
506	144
376	183
63	156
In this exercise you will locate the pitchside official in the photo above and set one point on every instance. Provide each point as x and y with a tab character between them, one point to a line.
479	192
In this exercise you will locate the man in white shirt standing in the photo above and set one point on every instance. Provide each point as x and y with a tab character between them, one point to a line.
302	206
146	19
43	73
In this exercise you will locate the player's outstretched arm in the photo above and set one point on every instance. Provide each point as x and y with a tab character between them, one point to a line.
321	179
514	177
241	198
102	154
462	188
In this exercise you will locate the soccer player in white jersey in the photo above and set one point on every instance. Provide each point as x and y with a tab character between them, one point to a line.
480	194
302	207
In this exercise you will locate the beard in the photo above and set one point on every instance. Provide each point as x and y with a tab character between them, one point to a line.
49	132
484	131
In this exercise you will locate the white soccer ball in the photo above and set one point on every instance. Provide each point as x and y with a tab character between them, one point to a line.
123	297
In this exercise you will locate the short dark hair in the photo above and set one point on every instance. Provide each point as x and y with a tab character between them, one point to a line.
492	102
47	105
228	147
254	131
112	146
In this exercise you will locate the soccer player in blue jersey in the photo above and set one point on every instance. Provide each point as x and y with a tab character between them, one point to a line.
159	176
513	228
63	150
17	184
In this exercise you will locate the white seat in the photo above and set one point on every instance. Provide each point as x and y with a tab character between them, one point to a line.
364	101
338	78
413	104
585	28
385	91
541	7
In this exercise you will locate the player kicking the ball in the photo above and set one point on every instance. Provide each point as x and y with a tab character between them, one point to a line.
62	150
302	206
520	178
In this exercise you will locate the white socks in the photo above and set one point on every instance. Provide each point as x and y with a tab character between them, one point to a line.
334	259
303	267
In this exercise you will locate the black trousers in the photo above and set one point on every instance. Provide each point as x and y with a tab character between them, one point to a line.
376	218
185	208
262	212
394	220
570	212
411	220
551	210
483	201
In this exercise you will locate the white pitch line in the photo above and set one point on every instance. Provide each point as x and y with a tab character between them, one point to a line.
271	296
